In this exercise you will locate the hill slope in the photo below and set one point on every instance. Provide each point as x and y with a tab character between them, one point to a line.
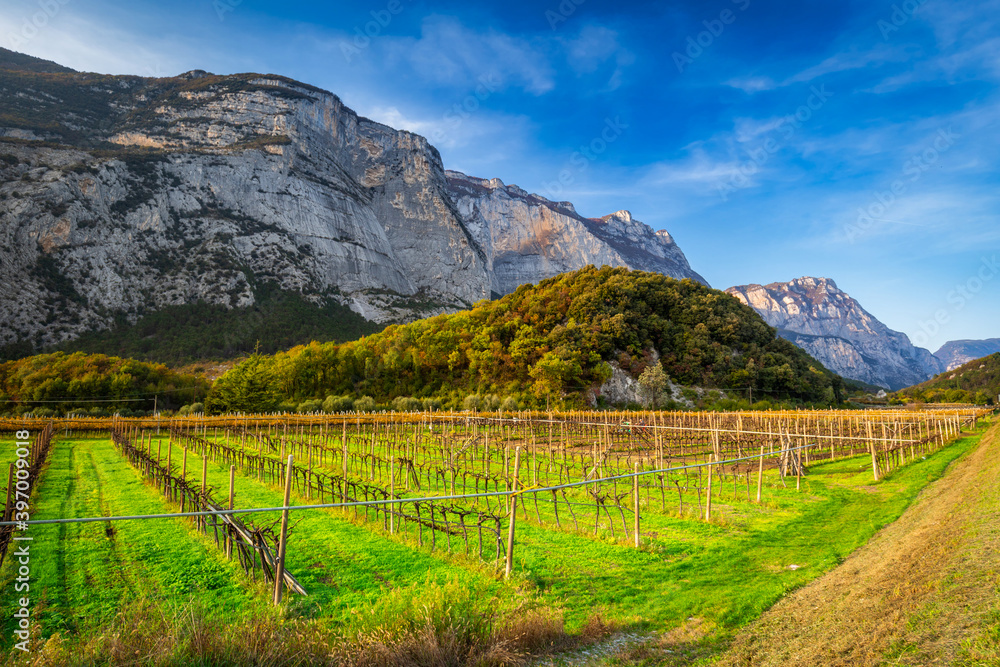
93	382
978	382
922	592
558	340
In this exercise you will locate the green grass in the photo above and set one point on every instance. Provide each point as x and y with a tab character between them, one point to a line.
81	574
723	573
346	568
726	574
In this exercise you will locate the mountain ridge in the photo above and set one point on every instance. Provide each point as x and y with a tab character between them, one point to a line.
828	323
122	195
957	353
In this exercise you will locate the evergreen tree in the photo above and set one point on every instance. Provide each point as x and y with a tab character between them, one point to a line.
249	387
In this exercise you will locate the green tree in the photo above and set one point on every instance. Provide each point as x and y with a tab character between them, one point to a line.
249	387
653	384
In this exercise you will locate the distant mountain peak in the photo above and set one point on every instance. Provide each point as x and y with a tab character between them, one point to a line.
527	237
832	326
955	353
623	215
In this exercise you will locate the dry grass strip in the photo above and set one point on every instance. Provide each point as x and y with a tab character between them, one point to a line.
924	591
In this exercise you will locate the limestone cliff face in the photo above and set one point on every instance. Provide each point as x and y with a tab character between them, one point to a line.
831	326
203	188
526	237
120	195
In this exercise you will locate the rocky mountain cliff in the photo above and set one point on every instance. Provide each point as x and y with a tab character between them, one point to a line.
831	326
956	353
120	195
527	237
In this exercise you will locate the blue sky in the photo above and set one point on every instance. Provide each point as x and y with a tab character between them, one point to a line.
852	140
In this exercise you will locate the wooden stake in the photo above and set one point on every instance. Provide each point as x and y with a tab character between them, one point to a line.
232	487
798	470
760	472
7	513
635	493
708	502
279	565
513	518
871	447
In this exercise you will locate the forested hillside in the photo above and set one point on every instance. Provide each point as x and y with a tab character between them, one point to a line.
977	382
95	383
553	341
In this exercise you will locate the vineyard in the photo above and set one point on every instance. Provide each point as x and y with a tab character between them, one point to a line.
647	519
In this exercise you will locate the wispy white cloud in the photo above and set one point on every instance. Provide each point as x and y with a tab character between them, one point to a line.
89	45
850	59
592	48
451	54
451	131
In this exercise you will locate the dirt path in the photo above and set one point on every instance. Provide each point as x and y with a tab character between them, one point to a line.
924	591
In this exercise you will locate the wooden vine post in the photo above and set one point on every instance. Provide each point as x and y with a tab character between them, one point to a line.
871	447
232	487
279	565
204	484
798	470
635	495
392	493
708	501
513	516
760	473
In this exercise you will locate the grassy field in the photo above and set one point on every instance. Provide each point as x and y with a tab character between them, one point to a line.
83	573
374	590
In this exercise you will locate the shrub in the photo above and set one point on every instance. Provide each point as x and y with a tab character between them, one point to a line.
431	404
338	404
365	404
407	404
489	403
509	404
471	402
311	405
197	408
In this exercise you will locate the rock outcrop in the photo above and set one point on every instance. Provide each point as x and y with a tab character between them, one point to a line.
832	327
120	195
526	237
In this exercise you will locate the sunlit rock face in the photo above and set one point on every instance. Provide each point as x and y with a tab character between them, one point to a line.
827	323
526	237
120	195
